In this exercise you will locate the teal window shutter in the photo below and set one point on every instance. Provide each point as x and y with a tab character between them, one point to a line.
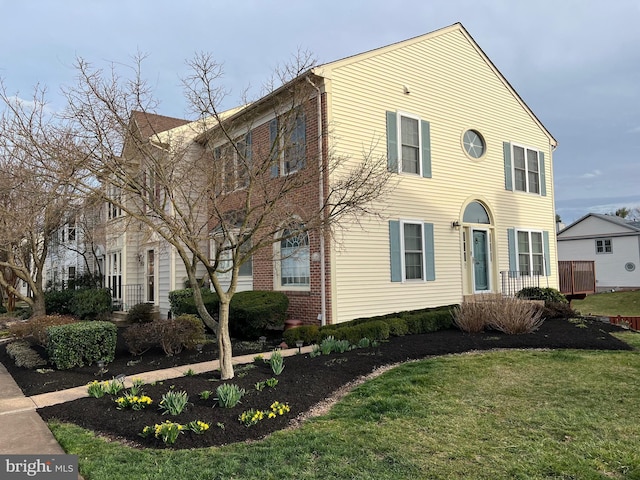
396	252
426	149
508	180
547	263
275	149
543	175
392	142
513	259
429	252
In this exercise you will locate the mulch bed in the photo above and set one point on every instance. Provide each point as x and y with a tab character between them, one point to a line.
304	383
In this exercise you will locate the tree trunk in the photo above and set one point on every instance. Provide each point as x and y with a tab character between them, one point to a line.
224	341
38	306
202	311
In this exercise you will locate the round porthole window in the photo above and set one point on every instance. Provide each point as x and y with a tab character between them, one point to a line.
629	266
473	144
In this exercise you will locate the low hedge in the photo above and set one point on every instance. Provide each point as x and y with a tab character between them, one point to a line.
253	312
86	303
549	295
182	302
395	324
81	343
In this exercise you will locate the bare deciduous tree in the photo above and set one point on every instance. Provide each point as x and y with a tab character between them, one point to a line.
32	200
225	187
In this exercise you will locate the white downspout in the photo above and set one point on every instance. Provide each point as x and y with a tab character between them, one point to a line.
323	272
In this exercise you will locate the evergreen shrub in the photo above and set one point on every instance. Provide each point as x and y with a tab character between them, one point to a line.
81	343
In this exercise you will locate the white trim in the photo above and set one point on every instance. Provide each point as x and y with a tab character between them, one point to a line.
399	115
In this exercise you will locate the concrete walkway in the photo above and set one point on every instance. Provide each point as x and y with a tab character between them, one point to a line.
22	431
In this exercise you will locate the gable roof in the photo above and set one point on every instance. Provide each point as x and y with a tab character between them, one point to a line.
150	124
324	70
632	226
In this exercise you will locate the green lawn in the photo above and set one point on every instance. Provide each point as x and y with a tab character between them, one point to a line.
610	304
495	415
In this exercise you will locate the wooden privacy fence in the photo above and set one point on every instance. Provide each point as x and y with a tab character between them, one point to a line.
632	322
577	277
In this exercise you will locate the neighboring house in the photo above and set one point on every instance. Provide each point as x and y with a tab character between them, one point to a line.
76	248
472	208
139	267
611	242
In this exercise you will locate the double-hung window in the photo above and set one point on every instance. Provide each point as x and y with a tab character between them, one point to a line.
412	252
604	246
288	147
530	253
524	169
408	144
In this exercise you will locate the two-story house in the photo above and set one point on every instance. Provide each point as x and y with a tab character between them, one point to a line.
472	208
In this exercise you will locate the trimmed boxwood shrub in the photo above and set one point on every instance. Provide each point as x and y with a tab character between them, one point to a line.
429	321
397	326
91	303
253	312
250	313
140	313
309	334
58	302
549	295
81	343
182	302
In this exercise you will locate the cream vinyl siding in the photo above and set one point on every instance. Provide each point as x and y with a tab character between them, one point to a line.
455	89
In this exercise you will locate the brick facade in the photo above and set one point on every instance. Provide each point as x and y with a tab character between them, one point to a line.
301	201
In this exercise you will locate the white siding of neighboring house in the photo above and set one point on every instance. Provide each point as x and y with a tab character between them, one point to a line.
578	242
451	86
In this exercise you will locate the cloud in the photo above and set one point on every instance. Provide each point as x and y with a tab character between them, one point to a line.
592	174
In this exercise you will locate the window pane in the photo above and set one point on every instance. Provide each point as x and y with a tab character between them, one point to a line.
413	266
523	242
538	264
412	237
409	131
536	242
523	264
410	160
532	160
534	182
518	158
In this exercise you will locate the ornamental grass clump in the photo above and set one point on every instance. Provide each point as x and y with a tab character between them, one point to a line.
174	402
229	395
508	315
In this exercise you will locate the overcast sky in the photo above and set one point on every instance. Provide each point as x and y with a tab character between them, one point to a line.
576	63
